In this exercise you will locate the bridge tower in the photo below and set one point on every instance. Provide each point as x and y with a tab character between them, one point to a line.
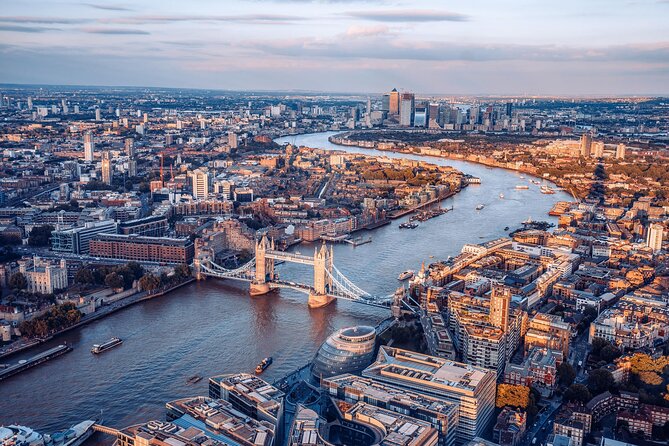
323	260
264	268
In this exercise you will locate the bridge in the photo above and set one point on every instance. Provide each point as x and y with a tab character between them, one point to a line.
329	283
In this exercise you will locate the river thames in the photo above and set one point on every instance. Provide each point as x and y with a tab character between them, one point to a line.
214	327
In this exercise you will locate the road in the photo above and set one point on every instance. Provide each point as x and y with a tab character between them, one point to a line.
543	425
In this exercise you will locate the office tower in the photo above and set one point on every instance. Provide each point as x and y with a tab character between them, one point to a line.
130	147
433	116
598	149
106	168
586	145
232	140
500	301
474	115
655	235
620	151
200	184
394	102
97	114
385	103
472	388
89	147
407	103
509	109
420	115
132	168
30	103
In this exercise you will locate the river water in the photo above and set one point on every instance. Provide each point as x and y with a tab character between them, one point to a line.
214	327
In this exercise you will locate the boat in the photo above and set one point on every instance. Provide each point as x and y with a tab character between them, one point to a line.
408	225
522	187
113	342
506	228
22	435
480	206
501	195
263	364
194	379
547	190
408	274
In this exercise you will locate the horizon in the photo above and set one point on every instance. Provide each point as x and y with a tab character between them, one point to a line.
603	49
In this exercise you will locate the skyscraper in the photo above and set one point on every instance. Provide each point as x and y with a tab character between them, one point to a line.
200	184
620	151
598	149
106	168
394	104
407	109
385	103
655	236
89	147
232	140
586	145
97	114
130	147
420	115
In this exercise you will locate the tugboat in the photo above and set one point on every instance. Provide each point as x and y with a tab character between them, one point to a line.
263	365
408	274
113	342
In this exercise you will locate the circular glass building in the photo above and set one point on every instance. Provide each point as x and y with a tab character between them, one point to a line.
349	350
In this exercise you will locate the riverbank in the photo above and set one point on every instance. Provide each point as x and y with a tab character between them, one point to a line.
339	140
139	296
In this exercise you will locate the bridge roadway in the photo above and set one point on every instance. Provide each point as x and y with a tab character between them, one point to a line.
289	257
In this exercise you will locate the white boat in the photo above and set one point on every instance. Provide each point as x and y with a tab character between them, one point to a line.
408	274
501	195
522	187
25	436
480	206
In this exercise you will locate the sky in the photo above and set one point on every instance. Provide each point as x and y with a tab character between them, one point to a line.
505	47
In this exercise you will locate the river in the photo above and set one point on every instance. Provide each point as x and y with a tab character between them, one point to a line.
214	327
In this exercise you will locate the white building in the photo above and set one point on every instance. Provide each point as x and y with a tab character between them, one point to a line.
89	147
43	276
655	236
200	180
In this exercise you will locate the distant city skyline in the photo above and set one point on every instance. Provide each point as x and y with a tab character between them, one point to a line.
482	47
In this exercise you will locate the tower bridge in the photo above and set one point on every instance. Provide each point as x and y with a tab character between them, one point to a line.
328	284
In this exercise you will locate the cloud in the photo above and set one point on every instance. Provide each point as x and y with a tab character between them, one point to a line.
409	15
26	29
114	31
243	18
367	31
42	20
107	7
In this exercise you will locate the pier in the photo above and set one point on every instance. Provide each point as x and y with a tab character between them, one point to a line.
35	360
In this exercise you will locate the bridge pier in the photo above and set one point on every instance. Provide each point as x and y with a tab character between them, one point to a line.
258	289
317	300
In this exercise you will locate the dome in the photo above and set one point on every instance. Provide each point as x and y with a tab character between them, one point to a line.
349	350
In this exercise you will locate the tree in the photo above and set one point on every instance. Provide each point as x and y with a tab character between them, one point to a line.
84	277
40	235
566	373
18	281
513	395
136	268
182	271
598	344
578	393
114	280
149	282
609	352
600	380
590	313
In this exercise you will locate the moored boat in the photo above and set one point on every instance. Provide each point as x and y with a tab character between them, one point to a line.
25	436
408	274
263	364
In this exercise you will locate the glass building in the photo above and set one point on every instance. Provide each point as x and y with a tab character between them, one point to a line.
349	350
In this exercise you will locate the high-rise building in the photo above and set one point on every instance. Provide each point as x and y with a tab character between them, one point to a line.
420	115
433	116
394	103
385	103
200	184
97	114
132	168
30	103
500	301
509	109
586	145
130	147
107	170
655	237
407	104
620	151
233	142
89	147
598	149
